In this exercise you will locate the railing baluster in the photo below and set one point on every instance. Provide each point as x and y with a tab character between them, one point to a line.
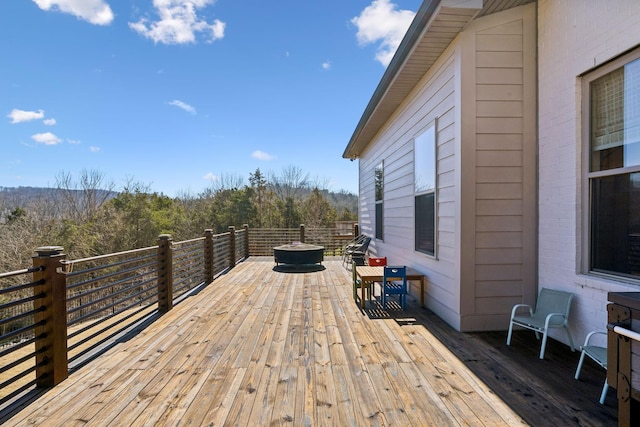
165	273
208	256
246	240
232	246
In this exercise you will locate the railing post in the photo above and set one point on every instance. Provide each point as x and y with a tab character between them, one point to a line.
301	233
208	256
246	240
165	273
52	363
356	230
232	246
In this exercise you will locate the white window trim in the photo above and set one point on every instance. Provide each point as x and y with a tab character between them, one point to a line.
584	237
433	124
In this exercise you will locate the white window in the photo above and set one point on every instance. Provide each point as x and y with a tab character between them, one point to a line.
612	127
379	189
425	191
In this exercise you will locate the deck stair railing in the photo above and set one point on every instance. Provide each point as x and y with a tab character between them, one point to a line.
59	314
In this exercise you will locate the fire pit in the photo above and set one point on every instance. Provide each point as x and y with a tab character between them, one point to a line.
299	254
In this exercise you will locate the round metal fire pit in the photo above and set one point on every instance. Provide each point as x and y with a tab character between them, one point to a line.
299	254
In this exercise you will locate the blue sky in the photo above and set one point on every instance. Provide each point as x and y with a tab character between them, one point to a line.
175	94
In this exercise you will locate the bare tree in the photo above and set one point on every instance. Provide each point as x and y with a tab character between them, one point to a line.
290	183
227	182
85	196
319	183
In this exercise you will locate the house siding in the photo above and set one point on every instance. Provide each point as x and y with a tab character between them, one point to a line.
485	256
500	157
433	99
575	36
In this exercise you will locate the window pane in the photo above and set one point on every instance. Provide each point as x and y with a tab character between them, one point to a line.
379	220
425	160
615	118
425	223
379	182
615	224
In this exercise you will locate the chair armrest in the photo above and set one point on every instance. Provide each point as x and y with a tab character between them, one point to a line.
517	306
550	315
591	334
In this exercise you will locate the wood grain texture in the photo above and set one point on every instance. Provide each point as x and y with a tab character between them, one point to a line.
260	347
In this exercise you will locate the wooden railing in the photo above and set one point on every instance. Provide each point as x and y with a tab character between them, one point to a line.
262	240
59	314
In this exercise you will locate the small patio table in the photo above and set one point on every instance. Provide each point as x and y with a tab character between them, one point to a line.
376	274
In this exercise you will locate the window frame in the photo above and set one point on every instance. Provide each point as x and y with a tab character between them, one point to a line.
586	256
420	192
378	202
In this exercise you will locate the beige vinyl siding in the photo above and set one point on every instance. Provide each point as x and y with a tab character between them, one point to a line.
432	100
503	161
481	96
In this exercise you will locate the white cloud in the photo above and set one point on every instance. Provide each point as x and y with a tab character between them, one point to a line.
178	23
18	116
186	107
261	155
73	141
95	12
381	23
326	65
46	138
94	149
49	122
211	177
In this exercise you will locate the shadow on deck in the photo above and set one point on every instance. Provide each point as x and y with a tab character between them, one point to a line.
542	392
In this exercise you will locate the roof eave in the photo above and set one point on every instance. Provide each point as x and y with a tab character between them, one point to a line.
372	119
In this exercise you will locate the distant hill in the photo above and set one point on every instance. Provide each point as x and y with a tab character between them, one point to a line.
22	194
12	197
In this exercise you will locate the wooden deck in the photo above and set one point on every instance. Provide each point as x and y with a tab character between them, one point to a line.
262	347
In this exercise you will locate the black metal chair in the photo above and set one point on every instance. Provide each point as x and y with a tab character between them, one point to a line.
353	243
356	252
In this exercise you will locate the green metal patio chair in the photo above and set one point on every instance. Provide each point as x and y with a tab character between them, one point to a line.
552	311
357	284
599	355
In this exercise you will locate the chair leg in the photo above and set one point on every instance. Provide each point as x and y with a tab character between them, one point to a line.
605	388
510	333
573	347
577	376
544	344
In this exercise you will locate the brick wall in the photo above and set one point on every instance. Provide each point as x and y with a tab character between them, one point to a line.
574	36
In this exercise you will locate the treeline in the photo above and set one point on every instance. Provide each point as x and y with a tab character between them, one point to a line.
88	216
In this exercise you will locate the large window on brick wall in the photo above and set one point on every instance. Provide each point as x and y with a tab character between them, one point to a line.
379	189
425	191
612	109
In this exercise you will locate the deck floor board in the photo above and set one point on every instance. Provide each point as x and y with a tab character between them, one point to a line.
263	346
